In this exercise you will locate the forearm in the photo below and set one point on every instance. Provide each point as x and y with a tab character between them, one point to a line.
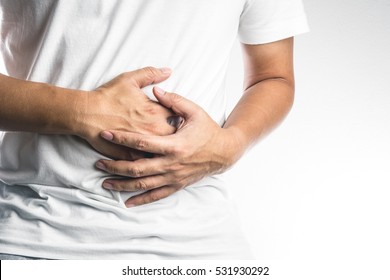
118	104
37	107
262	107
268	95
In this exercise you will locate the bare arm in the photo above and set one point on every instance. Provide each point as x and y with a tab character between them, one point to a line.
38	107
120	104
200	147
268	91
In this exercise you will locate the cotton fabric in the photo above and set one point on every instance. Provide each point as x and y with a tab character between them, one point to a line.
52	204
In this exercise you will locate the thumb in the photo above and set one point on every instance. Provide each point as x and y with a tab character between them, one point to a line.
149	75
177	103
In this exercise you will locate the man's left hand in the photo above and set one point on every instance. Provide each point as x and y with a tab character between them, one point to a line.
199	148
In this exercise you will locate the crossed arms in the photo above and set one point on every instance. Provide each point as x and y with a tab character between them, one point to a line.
153	155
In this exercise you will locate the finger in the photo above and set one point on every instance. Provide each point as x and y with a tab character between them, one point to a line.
149	75
142	142
151	196
139	184
176	103
133	169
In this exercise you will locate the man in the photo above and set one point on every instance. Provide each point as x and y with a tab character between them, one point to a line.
61	196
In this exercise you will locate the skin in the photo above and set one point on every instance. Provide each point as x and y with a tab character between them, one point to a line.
200	147
119	121
119	104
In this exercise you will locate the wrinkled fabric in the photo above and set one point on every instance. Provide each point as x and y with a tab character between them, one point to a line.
52	204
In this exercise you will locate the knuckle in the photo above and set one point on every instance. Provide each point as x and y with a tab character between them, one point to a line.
154	197
119	139
141	144
150	72
135	172
141	185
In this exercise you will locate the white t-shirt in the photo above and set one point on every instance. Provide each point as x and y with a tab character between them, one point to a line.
52	204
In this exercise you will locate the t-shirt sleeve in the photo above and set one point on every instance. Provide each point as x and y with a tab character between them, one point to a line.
265	21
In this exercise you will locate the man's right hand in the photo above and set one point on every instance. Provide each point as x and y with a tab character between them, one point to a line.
121	104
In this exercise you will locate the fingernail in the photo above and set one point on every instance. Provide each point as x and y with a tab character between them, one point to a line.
100	165
129	205
166	70
107	135
108	186
159	91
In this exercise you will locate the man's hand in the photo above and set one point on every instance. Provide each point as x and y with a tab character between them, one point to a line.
199	148
121	105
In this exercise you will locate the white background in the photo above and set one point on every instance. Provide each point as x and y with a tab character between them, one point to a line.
314	195
317	189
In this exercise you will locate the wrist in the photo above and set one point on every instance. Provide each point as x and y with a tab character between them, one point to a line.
81	118
233	146
69	119
38	107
